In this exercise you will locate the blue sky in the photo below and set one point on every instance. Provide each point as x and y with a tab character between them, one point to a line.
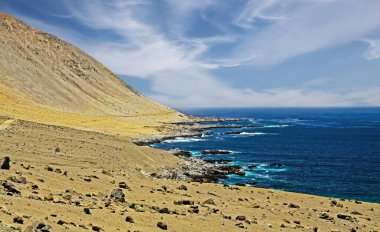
217	53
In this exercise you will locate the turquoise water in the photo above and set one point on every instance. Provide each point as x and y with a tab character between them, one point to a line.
328	152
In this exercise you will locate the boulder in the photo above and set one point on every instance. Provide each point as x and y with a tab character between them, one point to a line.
162	225
38	226
118	195
5	163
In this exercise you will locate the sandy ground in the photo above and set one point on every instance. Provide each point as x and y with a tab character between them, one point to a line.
95	164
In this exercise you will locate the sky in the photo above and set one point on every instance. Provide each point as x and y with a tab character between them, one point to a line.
226	53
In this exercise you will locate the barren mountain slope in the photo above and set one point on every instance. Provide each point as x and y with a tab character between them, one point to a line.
54	73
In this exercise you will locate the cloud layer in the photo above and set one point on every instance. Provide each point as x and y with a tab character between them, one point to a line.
179	46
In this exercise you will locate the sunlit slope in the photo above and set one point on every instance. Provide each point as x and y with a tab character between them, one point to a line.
43	78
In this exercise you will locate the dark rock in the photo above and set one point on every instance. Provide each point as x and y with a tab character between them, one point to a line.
345	217
39	227
193	209
96	228
164	210
233	133
181	153
325	216
5	163
57	150
235	169
61	222
240	218
118	195
20	180
315	229
57	170
184	202
49	168
182	187
240	225
123	185
162	225
209	202
292	205
276	164
87	211
9	187
215	152
18	220
129	219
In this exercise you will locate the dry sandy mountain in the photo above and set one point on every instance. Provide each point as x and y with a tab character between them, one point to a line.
46	79
66	123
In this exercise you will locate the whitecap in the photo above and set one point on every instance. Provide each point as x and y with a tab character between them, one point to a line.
182	140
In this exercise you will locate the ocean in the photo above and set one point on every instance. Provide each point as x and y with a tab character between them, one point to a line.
333	152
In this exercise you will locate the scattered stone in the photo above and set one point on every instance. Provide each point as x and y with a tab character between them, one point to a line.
162	225
345	217
34	187
5	163
292	205
108	173
87	179
123	185
39	227
240	225
61	222
325	216
87	211
298	222
57	150
57	170
164	210
215	152
182	187
96	228
333	203
356	213
240	218
20	179
18	220
184	202
209	202
65	173
49	168
315	229
49	197
193	209
129	219
10	188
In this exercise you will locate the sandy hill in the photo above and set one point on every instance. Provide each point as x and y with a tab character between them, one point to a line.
43	78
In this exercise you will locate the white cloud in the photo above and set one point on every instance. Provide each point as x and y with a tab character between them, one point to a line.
181	71
310	26
373	51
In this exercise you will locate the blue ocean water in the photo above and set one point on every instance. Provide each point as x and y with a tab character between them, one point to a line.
331	152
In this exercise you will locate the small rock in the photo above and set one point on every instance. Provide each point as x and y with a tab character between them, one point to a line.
49	197
292	205
96	228
240	225
123	185
129	219
184	202
49	168
118	195
18	220
182	187
10	188
39	227
57	150
326	217
162	225
57	170
164	210
240	218
87	211
315	229
209	202
5	163
345	217
61	222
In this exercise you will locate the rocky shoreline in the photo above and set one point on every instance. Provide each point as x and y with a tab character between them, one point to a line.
195	169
